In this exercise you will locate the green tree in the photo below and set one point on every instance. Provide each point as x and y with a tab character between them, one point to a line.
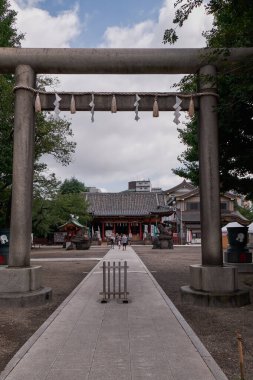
232	27
54	202
51	137
65	205
246	212
9	36
71	186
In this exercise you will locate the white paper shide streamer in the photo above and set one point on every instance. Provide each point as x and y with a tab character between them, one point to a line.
57	106
92	105
177	109
136	105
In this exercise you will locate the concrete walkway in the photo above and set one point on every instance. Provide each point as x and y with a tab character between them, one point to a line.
86	339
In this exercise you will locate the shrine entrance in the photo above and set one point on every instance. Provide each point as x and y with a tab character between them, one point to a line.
211	276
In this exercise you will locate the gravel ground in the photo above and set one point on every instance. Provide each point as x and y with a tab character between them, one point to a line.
215	327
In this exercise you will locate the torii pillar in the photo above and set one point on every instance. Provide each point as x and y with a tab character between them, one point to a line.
211	283
20	283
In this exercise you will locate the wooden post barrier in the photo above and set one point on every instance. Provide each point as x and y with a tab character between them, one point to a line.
114	285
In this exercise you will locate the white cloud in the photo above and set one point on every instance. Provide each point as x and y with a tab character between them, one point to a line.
150	33
116	149
44	30
28	3
139	36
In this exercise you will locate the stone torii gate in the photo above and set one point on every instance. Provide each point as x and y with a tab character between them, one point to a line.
208	279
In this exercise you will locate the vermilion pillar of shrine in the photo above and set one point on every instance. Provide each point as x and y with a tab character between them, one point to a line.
140	230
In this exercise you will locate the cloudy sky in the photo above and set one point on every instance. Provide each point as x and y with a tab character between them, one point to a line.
115	148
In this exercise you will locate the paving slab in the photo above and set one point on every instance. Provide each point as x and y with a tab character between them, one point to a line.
85	339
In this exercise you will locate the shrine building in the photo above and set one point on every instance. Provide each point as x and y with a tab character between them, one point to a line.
128	212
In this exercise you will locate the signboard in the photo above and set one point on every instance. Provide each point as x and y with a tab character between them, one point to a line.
59	237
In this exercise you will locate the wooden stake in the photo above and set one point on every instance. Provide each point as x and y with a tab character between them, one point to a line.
241	358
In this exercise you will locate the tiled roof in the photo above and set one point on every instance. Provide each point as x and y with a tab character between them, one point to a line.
70	222
188	194
194	216
234	216
183	185
126	204
195	192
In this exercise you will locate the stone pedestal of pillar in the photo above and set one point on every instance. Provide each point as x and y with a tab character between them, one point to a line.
22	286
214	286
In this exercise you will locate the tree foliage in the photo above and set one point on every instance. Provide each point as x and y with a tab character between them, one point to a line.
232	27
246	212
72	186
51	137
49	214
9	36
52	207
235	17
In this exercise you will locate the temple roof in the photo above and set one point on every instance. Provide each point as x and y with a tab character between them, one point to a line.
127	204
226	216
71	222
183	187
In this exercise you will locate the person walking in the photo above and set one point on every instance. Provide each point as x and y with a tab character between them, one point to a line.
112	241
119	241
124	242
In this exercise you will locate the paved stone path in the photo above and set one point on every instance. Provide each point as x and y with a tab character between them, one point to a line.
85	339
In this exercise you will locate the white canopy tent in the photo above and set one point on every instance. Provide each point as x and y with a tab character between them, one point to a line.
232	224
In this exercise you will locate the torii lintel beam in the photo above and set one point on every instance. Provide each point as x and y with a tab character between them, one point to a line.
118	61
125	102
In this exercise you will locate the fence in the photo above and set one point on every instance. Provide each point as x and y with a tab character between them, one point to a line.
114	281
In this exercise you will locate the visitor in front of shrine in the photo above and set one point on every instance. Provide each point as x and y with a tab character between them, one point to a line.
116	239
129	238
112	241
119	241
124	242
